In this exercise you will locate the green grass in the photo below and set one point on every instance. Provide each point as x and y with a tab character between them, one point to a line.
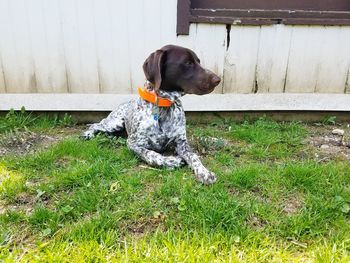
95	201
22	120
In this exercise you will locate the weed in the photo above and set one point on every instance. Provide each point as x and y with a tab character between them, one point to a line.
330	120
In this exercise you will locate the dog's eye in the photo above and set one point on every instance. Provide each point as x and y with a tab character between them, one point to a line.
188	63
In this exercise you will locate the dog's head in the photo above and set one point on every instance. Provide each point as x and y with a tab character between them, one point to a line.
174	68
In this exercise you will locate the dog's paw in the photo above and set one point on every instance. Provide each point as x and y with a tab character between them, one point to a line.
206	177
87	135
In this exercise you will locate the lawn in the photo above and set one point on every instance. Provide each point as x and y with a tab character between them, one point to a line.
282	195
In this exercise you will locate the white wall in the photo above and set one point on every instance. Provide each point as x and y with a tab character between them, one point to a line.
98	46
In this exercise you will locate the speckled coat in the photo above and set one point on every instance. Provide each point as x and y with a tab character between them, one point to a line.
149	137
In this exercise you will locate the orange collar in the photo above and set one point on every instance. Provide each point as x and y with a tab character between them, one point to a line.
153	98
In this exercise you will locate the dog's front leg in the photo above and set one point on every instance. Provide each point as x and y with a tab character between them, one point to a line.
114	122
153	158
202	174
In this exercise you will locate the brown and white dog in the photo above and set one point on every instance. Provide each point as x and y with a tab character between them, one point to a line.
155	122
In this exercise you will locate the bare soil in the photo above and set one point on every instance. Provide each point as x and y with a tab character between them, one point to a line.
20	143
330	146
292	204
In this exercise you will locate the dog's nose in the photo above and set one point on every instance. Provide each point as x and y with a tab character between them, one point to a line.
215	80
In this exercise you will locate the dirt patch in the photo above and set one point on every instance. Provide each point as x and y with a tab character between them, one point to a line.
144	226
3	207
329	143
205	144
26	142
233	191
21	143
256	222
24	202
259	195
292	205
24	198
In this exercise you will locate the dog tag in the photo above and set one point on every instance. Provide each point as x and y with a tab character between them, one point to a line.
155	115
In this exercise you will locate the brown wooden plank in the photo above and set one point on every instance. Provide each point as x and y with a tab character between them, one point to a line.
269	13
183	15
265	17
315	21
256	12
232	20
267	21
330	5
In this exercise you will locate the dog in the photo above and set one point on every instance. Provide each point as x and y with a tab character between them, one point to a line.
155	122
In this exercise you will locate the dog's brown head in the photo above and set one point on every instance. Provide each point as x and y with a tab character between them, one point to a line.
174	68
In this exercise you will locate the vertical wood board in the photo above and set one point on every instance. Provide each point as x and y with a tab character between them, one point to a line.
57	77
334	60
17	61
304	58
273	58
241	59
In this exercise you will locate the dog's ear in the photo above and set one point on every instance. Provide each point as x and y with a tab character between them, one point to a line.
153	67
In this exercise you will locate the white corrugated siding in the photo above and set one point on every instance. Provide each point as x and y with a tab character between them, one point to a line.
98	46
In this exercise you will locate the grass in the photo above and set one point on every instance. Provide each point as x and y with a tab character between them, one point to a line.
95	201
22	120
